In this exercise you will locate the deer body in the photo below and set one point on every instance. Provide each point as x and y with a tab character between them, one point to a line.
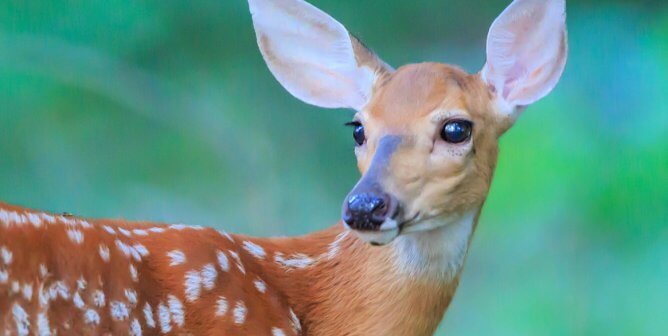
426	144
67	275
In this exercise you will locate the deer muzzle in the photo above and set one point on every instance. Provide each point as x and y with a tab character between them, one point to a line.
368	209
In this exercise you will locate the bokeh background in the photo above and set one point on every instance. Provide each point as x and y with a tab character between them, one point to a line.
164	110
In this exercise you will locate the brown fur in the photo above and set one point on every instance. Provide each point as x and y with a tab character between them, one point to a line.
352	292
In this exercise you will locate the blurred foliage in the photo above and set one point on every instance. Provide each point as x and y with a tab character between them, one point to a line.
164	110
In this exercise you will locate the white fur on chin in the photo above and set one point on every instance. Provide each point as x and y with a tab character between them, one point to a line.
435	247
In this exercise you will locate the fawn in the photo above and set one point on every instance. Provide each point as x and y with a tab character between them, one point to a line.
426	144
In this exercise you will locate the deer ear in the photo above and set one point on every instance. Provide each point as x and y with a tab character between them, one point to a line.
313	56
526	52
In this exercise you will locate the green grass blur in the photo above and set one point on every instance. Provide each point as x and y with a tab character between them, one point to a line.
164	110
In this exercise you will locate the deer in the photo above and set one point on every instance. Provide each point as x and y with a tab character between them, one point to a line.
426	141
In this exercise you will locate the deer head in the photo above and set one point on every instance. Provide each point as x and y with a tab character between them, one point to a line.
426	135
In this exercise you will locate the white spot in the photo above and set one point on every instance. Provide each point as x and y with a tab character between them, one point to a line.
48	218
119	310
16	286
296	325
221	306
133	273
209	275
135	328
254	249
237	260
4	217
43	295
178	227
128	250
11	216
67	221
81	283
239	312
59	288
295	261
34	220
277	332
165	318
141	249
43	271
75	236
193	285
91	317
109	229
4	276
78	301
148	315
135	254
223	261
104	253
131	295
335	246
260	285
21	320
6	255
98	298
157	229
177	257
84	224
125	232
43	328
176	310
17	218
140	232
226	235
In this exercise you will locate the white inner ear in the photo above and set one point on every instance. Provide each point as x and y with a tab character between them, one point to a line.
526	50
311	54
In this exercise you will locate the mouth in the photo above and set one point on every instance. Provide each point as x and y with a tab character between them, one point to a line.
388	231
420	224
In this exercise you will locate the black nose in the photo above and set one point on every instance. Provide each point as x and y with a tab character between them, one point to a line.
367	211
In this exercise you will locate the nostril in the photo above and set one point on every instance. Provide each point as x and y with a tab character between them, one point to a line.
387	209
380	213
382	207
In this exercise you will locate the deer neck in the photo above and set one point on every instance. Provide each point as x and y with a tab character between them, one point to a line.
339	285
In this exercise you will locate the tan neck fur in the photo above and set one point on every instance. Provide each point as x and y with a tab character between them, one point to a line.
353	288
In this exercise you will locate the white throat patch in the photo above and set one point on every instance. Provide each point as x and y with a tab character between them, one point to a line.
437	253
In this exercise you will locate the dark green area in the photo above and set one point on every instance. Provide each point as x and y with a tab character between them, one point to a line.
164	110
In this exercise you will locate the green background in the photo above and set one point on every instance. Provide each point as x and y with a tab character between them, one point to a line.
164	110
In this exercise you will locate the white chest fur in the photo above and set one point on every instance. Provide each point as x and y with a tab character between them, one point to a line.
437	253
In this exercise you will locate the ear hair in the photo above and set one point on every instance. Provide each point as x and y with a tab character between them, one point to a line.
313	56
526	52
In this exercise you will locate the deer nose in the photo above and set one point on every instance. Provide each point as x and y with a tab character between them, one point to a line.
368	211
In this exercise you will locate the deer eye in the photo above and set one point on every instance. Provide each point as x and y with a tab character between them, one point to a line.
358	132
456	131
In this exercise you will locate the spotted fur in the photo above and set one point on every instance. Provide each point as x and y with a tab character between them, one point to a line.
171	281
